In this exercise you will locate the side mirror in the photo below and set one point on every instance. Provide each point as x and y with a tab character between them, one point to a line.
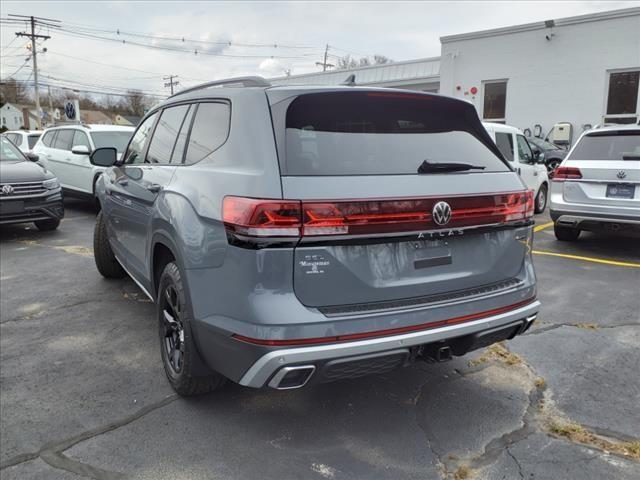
80	150
540	158
104	157
32	156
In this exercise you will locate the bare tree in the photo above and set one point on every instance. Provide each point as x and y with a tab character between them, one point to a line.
136	102
348	62
13	91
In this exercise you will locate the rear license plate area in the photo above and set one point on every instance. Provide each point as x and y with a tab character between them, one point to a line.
621	190
9	207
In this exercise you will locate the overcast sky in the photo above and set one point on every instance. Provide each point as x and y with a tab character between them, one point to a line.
398	30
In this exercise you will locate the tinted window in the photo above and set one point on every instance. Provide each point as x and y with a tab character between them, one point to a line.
505	144
8	152
495	100
115	139
139	141
376	133
80	138
47	139
209	131
16	138
178	150
165	135
63	140
32	140
524	150
608	146
623	93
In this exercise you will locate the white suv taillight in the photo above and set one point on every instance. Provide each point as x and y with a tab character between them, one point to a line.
566	173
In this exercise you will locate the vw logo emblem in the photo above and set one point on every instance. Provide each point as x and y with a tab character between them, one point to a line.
441	213
70	110
622	174
7	190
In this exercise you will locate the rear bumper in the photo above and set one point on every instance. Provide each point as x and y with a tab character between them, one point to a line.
395	347
32	209
596	221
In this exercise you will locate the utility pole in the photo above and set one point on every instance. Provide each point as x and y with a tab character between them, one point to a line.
33	20
171	83
51	116
324	64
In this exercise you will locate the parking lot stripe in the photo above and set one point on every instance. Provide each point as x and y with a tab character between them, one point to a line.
588	259
537	228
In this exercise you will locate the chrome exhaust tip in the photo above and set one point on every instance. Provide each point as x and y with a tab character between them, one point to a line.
289	378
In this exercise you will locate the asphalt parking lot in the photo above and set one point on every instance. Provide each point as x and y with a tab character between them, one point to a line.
83	393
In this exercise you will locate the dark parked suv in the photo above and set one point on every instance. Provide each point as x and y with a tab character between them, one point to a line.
306	234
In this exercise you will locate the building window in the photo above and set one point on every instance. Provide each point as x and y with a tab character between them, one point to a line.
4	121
622	98
495	101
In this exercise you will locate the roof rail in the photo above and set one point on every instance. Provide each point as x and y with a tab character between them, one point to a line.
254	81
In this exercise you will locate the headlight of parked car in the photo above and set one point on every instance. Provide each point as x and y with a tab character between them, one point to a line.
51	184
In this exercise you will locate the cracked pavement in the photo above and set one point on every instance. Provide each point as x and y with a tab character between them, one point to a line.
83	393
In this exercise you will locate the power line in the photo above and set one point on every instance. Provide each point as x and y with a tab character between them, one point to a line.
171	83
75	89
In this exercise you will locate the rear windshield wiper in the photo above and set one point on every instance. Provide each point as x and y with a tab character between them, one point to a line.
631	156
427	167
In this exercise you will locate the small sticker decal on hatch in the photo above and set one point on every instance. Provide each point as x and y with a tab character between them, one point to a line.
314	264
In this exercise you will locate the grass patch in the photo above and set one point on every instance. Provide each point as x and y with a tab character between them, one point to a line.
498	352
540	382
578	434
463	472
587	326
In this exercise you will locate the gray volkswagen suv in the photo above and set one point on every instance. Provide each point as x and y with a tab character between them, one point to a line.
293	235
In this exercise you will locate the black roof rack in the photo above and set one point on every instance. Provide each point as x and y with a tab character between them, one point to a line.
254	81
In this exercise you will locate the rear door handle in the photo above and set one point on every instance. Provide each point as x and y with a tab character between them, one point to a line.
154	187
123	182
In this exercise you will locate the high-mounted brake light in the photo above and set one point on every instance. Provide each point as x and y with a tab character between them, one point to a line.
566	173
295	218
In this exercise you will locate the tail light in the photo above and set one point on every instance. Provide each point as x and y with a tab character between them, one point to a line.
566	173
295	218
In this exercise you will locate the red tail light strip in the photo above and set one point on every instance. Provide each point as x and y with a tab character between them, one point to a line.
381	333
295	218
566	173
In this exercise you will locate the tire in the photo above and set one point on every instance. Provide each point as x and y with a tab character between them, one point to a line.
106	261
541	199
566	234
47	225
553	164
183	366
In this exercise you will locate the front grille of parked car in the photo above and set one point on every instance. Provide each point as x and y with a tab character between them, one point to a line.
22	189
361	367
355	309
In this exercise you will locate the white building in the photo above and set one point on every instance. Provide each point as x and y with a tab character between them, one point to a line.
11	117
584	70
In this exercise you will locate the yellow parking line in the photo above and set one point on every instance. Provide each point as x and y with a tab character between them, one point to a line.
537	228
588	259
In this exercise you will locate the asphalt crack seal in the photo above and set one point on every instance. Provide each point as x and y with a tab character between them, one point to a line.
52	453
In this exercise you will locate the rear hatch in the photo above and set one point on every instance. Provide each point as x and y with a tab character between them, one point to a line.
603	169
373	229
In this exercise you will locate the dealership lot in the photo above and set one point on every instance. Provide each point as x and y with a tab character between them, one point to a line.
84	394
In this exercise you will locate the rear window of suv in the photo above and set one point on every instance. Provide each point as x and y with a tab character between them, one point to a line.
380	133
608	145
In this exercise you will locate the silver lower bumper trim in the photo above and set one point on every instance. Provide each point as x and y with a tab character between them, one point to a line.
265	366
576	220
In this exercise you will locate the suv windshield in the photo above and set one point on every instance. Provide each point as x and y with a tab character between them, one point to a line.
380	133
111	139
608	145
8	152
543	144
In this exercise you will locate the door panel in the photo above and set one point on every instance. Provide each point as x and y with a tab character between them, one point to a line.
80	167
527	169
59	158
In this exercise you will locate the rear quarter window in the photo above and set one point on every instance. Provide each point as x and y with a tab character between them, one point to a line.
379	133
608	145
209	131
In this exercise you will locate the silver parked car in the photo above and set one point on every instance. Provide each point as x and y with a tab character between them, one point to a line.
597	187
306	234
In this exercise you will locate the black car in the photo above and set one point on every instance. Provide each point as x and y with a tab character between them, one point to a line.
553	154
28	191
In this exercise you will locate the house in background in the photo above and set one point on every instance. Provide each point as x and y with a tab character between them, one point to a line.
128	120
95	117
11	116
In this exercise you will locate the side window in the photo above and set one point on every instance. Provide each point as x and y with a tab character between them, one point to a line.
15	138
504	141
209	131
165	134
80	138
524	150
178	150
63	140
47	140
139	141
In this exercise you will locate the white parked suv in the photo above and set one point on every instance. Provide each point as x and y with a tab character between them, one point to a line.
597	186
65	151
531	167
25	140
